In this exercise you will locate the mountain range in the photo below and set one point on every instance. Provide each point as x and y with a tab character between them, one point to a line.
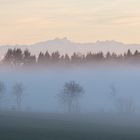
65	45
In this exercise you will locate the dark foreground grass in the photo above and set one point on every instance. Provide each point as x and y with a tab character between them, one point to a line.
33	126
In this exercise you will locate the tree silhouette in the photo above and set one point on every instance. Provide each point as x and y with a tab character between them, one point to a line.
18	90
55	57
123	104
8	58
17	57
108	56
28	59
40	58
2	90
66	58
70	95
47	57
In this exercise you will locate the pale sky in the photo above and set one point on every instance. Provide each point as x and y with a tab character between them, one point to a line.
31	21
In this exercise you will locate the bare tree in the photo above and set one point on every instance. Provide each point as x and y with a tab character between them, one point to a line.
113	90
70	95
2	90
18	90
123	104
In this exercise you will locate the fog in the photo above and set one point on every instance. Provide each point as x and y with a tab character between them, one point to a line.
108	108
42	86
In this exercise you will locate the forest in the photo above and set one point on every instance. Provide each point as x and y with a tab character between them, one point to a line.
18	57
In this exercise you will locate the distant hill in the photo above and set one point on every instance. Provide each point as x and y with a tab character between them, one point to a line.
65	45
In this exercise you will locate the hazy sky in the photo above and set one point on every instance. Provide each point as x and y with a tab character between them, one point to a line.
30	21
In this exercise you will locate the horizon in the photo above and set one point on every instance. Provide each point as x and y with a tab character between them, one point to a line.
67	46
68	39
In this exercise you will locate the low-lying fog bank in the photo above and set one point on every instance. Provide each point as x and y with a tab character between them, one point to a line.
70	103
106	90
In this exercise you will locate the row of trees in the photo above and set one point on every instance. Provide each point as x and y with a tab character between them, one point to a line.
19	57
70	95
72	91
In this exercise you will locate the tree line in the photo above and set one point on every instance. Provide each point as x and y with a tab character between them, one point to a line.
69	96
17	56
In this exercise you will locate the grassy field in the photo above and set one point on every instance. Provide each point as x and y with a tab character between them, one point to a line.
39	126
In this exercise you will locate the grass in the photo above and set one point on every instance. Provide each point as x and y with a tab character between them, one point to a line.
35	126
